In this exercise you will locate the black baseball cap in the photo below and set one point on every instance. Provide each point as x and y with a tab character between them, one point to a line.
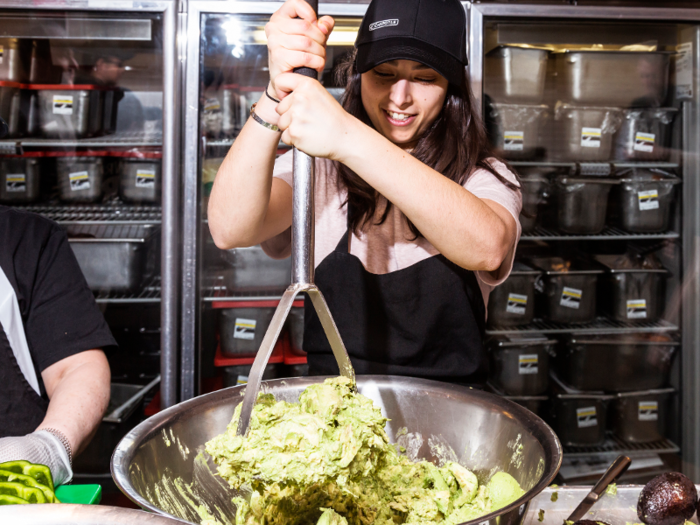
432	32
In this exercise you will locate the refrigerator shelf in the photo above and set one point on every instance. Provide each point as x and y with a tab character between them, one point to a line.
603	166
610	233
150	293
601	325
118	140
98	213
617	446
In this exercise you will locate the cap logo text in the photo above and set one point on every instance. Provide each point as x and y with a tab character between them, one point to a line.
384	23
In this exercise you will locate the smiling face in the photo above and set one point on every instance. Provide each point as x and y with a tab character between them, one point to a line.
402	99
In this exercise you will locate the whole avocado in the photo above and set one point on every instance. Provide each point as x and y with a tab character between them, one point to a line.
668	499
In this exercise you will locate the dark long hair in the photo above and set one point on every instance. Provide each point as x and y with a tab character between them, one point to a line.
455	145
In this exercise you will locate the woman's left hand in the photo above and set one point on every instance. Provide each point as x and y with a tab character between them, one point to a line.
310	118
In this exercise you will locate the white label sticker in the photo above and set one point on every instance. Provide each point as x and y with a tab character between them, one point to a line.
637	309
648	200
145	179
212	104
513	140
241	380
586	417
527	364
648	410
644	142
2	53
590	137
516	304
80	180
244	329
571	298
63	104
684	71
15	183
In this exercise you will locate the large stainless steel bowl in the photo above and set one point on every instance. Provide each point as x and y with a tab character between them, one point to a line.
482	431
80	515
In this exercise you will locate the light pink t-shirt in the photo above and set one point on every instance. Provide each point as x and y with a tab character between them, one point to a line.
388	247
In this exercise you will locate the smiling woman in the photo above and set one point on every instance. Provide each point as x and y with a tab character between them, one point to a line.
416	221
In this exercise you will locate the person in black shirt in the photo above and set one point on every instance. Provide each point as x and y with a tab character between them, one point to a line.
55	379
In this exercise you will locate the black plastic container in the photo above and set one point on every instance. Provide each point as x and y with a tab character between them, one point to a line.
633	292
519	366
640	417
570	289
616	363
513	302
579	418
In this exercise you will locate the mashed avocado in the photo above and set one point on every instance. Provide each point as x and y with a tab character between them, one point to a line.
327	459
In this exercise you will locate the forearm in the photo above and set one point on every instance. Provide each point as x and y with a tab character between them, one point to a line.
78	399
458	224
240	197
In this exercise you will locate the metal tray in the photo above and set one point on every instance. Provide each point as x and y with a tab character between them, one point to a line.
71	113
19	179
516	129
80	178
139	179
616	363
16	56
582	203
633	294
645	200
512	303
122	415
519	366
114	257
640	417
252	270
533	184
578	418
645	134
241	330
616	78
585	133
570	295
515	75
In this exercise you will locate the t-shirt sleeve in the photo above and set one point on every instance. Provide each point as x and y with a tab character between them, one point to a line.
63	318
280	246
485	185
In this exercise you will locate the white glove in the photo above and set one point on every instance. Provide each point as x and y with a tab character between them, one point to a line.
39	447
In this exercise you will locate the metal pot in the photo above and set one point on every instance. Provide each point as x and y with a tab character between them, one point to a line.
585	133
80	178
616	78
640	417
582	204
513	302
139	179
519	366
15	56
532	186
515	74
71	113
482	429
241	330
645	200
19	179
644	134
516	129
66	514
252	270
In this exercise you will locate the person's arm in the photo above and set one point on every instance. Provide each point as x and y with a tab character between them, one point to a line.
477	234
78	388
247	206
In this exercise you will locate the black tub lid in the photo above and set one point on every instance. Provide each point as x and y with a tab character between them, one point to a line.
551	266
617	339
643	393
625	264
523	340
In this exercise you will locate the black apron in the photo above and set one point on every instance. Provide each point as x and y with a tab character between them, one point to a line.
21	408
426	320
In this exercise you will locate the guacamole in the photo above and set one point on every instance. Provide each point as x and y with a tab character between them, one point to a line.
327	459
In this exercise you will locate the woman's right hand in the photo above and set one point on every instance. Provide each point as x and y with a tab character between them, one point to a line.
296	38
